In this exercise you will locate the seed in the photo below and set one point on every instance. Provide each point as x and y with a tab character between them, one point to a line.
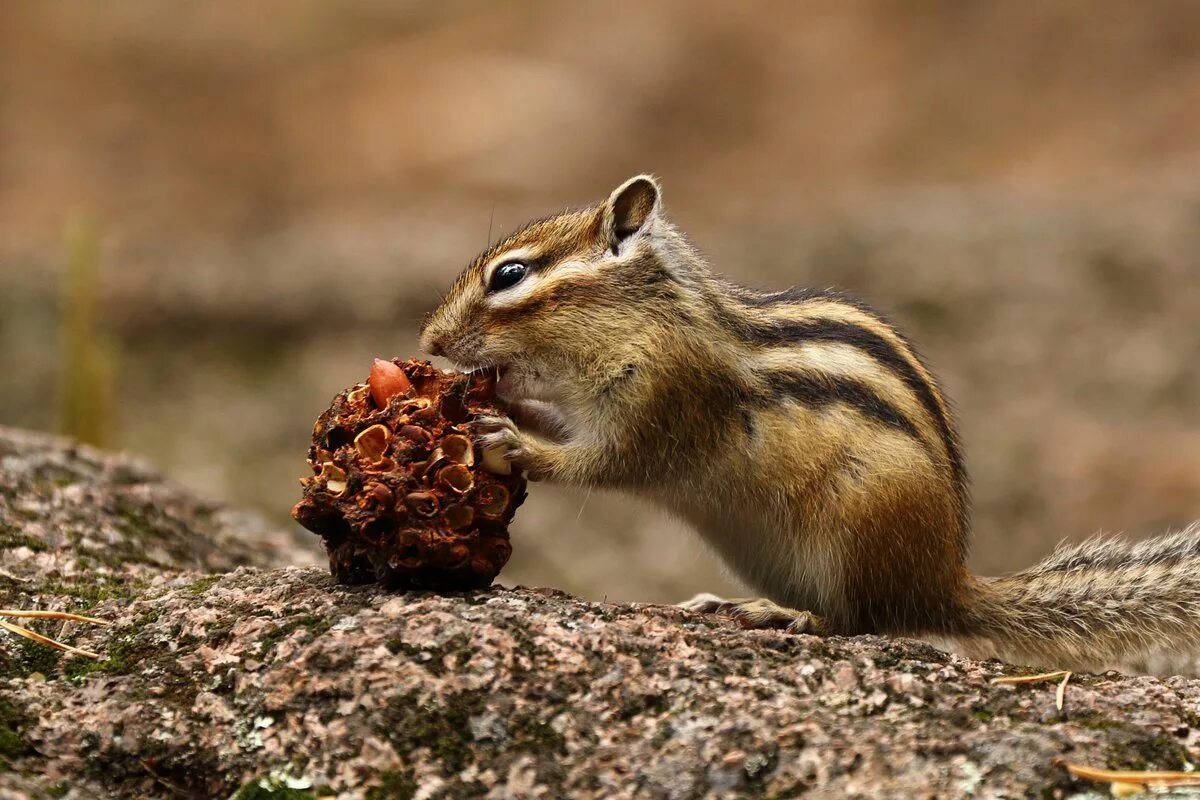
387	380
453	407
334	477
437	459
379	495
423	504
416	434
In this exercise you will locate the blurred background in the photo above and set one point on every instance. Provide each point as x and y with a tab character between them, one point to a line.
212	217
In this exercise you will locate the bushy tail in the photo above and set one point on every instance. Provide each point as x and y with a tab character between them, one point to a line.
1105	603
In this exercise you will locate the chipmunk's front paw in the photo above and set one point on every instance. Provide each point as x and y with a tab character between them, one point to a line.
502	435
758	614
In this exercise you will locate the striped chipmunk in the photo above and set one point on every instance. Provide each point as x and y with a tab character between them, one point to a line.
797	431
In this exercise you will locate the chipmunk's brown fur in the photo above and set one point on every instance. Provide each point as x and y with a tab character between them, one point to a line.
797	431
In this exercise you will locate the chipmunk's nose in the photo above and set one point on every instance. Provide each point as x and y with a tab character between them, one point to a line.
432	346
432	343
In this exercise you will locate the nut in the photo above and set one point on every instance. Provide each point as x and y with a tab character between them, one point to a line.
334	477
416	434
423	504
387	380
379	495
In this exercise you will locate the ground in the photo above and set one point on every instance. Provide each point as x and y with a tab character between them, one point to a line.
224	674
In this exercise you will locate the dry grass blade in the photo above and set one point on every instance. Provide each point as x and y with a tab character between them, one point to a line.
11	612
1060	694
1045	676
1132	777
1061	675
46	640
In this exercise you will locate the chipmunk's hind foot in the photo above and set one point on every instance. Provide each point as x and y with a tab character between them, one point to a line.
757	613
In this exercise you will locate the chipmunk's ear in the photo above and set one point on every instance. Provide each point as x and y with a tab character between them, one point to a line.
630	208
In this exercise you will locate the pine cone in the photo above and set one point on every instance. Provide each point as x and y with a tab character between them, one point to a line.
401	493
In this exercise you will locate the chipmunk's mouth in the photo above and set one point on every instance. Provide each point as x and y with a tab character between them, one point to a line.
530	402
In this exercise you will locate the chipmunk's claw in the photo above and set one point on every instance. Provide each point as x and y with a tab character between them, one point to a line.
757	614
499	433
502	435
704	603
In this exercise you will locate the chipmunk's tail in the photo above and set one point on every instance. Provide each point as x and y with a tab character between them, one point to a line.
1104	603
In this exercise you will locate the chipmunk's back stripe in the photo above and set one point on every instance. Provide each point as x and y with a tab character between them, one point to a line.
822	390
799	296
783	331
795	295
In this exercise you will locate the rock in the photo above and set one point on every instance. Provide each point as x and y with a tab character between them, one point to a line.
272	681
69	509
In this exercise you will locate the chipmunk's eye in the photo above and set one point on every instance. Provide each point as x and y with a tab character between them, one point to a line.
507	275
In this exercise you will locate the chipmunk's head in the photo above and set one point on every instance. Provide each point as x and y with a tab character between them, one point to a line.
560	306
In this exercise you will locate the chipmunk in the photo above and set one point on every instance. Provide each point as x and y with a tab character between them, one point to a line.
797	431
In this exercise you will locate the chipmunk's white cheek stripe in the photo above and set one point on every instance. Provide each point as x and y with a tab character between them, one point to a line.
568	270
515	294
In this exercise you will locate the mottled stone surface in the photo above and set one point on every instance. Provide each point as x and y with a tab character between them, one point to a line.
67	509
274	682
